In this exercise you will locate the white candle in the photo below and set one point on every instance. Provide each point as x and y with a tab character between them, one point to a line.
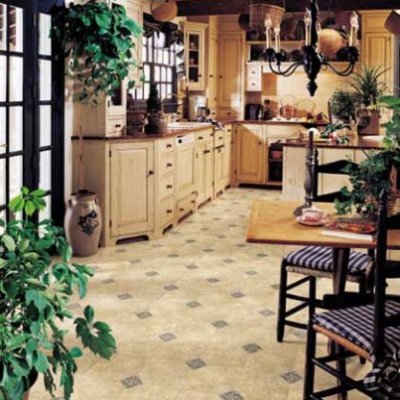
354	27
277	31
268	25
307	22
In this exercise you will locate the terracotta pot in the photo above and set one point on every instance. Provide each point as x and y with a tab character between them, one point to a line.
164	12
83	223
368	123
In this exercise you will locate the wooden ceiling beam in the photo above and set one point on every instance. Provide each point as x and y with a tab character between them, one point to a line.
219	7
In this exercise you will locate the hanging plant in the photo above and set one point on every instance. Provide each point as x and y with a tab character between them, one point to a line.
98	42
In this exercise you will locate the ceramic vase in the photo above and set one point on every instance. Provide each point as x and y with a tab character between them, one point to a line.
83	223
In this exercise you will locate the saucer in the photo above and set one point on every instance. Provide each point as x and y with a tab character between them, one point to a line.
321	222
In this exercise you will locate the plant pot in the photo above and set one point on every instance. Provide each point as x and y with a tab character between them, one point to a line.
368	122
83	223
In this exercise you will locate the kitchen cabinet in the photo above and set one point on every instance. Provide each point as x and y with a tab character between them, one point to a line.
250	153
228	156
212	72
230	74
131	188
195	33
377	43
185	165
204	166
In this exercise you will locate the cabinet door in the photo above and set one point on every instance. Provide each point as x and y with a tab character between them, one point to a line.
208	170
199	177
132	188
230	82
218	169
212	73
250	147
226	166
185	170
195	62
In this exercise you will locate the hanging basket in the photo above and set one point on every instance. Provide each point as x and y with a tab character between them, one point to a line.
392	23
259	9
330	42
164	12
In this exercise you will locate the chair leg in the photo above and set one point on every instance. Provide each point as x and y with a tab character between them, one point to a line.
341	367
310	366
280	331
363	289
312	296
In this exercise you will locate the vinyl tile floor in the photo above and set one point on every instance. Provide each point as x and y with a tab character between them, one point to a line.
194	315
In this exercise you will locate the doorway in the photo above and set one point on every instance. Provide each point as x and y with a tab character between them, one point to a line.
31	106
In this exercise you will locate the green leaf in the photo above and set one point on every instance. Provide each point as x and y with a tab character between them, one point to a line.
23	245
16	204
89	314
40	362
103	20
17	341
38	193
102	326
30	208
76	352
8	242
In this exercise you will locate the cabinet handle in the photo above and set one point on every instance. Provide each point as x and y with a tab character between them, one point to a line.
211	76
206	151
211	134
169	165
221	76
169	186
169	145
259	143
169	211
151	172
200	138
181	209
220	138
193	201
199	75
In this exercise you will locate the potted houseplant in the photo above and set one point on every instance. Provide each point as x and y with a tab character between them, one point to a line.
155	117
369	88
35	292
98	41
378	171
342	106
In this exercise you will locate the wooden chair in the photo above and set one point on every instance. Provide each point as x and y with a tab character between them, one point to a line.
315	262
367	325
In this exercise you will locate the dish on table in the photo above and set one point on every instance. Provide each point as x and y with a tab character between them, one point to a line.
320	222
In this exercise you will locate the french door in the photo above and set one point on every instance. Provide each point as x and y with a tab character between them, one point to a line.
31	106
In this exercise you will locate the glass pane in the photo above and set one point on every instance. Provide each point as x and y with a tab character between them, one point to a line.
46	212
45	125
159	40
45	170
44	37
2	130
15	175
3	26
159	56
166	57
3	82
45	80
4	218
16	29
2	182
146	90
164	74
146	72
169	74
144	54
16	78
157	74
16	142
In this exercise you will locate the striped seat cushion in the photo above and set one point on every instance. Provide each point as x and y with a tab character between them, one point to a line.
356	324
320	259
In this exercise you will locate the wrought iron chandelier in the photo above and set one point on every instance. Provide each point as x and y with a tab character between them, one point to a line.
311	59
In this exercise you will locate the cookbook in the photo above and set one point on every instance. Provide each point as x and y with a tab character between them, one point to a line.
351	228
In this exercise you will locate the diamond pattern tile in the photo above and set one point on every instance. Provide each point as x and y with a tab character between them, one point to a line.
220	324
167	337
232	396
238	295
252	347
196	363
291	377
131	382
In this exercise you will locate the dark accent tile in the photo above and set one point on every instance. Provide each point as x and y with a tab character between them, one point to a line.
261	255
144	314
276	286
205	229
152	273
300	333
131	382
136	261
124	296
229	260
252	348
238	295
170	287
213	280
232	226
208	250
220	324
192	266
190	241
173	255
266	313
291	377
251	273
196	363
221	237
108	281
167	337
158	245
193	304
120	251
217	219
74	306
240	245
232	396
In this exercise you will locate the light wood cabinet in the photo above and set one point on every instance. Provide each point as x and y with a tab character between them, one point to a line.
185	168
212	73
131	188
250	153
195	54
230	74
377	43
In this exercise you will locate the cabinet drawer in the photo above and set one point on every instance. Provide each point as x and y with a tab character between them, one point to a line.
167	186
167	210
228	134
167	145
116	126
253	71
283	131
167	163
204	136
185	206
253	84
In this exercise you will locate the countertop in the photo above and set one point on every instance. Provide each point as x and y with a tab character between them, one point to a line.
356	142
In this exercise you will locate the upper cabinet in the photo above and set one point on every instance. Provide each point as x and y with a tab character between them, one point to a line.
195	34
377	43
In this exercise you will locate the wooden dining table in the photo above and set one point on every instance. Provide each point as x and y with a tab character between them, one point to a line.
273	222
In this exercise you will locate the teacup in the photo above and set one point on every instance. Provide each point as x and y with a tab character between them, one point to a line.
312	214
